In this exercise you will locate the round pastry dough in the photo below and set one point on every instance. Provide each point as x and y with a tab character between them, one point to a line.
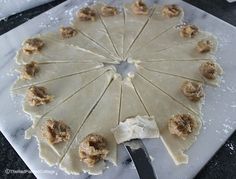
91	97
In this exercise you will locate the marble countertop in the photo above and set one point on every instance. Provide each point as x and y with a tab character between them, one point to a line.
9	7
29	147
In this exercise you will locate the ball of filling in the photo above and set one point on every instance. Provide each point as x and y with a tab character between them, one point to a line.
29	71
181	125
32	46
204	46
67	32
56	131
139	8
92	149
188	31
87	14
37	95
108	11
193	91
208	70
171	11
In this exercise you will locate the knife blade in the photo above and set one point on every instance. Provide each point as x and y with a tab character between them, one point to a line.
142	161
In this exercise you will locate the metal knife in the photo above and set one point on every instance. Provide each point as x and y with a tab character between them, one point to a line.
140	158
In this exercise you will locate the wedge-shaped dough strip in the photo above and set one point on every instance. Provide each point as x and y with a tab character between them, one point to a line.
96	31
52	71
72	112
170	45
134	24
172	86
185	69
115	27
131	105
83	43
54	51
163	108
157	26
61	90
100	121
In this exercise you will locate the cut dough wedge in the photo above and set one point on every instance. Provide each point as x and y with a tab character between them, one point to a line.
175	68
171	46
172	86
163	108
131	105
61	89
134	24
101	36
115	27
72	112
157	27
55	52
84	43
99	123
52	71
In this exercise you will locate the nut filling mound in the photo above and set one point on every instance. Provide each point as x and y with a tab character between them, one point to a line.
92	149
112	63
140	8
56	131
68	32
171	10
193	91
37	95
109	11
29	70
32	46
209	70
204	46
87	14
181	125
188	31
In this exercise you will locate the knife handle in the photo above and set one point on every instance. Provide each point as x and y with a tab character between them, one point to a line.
142	163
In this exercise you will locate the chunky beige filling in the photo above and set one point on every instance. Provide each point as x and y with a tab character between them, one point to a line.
192	90
37	95
188	31
171	11
139	8
33	45
87	14
181	125
56	131
29	70
92	149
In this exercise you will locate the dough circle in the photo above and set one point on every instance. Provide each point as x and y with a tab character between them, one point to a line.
91	97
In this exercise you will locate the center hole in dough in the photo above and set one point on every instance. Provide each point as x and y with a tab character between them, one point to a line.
125	68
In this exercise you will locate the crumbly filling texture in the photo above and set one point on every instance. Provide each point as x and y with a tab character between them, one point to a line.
68	32
192	90
171	11
204	46
32	46
139	8
208	70
87	14
56	131
29	70
37	95
92	149
181	125
109	11
188	31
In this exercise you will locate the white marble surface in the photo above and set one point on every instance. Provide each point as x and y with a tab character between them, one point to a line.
219	110
9	7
